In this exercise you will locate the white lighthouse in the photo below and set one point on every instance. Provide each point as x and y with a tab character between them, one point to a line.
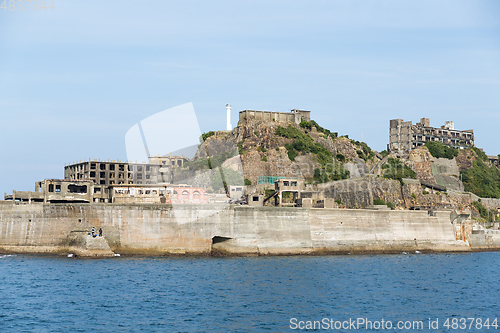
228	109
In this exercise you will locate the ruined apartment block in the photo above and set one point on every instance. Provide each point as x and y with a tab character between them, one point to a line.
404	136
104	174
56	191
494	160
294	116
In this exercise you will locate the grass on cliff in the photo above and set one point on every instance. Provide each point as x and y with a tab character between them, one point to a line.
211	162
440	150
364	152
303	143
395	169
483	180
205	136
483	212
382	202
330	169
310	124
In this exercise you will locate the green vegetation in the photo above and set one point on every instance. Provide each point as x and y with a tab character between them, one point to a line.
230	177
240	148
310	124
264	159
331	172
268	193
440	150
263	149
287	196
482	180
382	202
256	134
384	153
247	182
340	158
395	169
290	132
485	214
205	136
366	153
211	162
303	143
339	202
425	192
414	196
480	154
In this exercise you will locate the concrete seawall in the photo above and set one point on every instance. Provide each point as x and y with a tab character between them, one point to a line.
204	229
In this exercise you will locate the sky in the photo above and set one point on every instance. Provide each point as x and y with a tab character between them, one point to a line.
75	79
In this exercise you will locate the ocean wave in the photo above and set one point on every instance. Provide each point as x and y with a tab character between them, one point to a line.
6	255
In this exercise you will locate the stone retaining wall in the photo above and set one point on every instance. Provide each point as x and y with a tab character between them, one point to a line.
162	229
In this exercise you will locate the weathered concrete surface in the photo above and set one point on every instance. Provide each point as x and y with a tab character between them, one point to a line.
84	245
485	240
190	229
446	173
369	230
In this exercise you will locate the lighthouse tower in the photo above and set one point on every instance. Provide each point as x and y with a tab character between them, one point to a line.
228	109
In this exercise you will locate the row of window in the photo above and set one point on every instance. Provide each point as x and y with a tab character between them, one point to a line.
121	167
120	175
72	188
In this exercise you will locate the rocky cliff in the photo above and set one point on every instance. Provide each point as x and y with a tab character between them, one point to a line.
264	153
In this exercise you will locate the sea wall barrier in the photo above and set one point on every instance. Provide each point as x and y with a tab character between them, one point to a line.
158	229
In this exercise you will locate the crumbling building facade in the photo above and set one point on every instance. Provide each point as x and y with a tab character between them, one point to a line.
56	191
108	173
404	136
294	116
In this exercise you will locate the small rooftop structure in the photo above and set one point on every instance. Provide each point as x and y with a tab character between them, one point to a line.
236	192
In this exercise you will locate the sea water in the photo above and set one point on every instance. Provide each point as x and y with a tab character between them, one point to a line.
256	294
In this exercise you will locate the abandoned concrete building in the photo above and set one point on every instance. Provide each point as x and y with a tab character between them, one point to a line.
177	194
82	191
236	192
56	191
168	161
295	116
494	160
404	136
107	173
290	188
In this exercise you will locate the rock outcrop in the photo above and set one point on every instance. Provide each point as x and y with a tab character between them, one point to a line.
84	245
420	160
263	153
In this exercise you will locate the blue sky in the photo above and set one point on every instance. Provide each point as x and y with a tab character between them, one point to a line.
74	80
